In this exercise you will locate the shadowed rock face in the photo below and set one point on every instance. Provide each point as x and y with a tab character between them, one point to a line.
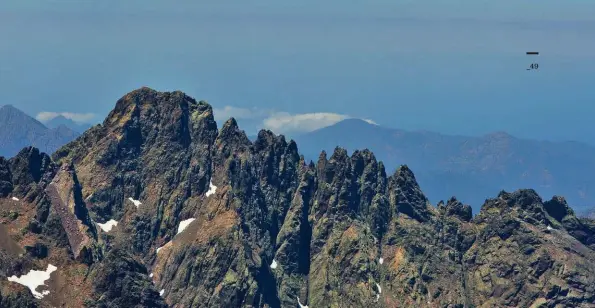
268	227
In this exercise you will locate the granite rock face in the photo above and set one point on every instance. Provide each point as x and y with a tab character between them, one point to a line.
203	217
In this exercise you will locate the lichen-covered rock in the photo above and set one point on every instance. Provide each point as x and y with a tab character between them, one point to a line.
207	218
5	178
28	169
121	281
519	253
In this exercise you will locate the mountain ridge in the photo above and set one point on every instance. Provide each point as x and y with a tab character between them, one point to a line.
61	120
205	217
471	166
18	130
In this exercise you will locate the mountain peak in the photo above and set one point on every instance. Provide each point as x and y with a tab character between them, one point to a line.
355	123
524	203
60	122
8	107
454	207
148	96
558	208
407	194
18	130
232	136
13	114
146	106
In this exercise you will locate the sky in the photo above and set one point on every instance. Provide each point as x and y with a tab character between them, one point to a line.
455	67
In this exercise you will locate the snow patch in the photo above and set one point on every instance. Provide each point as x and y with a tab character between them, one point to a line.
381	260
379	292
274	264
15	198
299	303
549	228
136	202
212	189
164	245
34	279
106	227
161	292
184	224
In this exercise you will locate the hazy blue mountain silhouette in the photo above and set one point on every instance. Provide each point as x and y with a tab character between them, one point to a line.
61	120
18	130
470	168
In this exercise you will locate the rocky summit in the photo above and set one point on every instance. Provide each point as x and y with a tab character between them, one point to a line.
157	207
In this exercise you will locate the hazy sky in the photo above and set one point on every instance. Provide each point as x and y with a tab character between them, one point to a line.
449	66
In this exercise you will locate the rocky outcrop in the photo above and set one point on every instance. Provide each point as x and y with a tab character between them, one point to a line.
207	218
519	252
66	202
122	281
5	178
29	171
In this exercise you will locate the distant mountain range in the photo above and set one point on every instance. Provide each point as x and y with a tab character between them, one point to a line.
470	168
18	130
61	120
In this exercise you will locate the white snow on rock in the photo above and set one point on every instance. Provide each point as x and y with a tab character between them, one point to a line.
161	292
184	224
549	228
34	279
15	198
381	260
379	291
212	189
136	202
274	264
106	227
164	246
299	303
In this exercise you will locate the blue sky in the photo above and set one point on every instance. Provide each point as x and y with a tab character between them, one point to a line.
456	67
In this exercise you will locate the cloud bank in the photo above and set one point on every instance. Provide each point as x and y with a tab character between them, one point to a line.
222	114
284	122
45	116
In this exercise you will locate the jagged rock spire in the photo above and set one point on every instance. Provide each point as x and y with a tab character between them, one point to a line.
406	196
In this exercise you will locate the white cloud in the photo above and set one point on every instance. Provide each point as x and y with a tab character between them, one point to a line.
238	113
370	121
284	122
45	116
